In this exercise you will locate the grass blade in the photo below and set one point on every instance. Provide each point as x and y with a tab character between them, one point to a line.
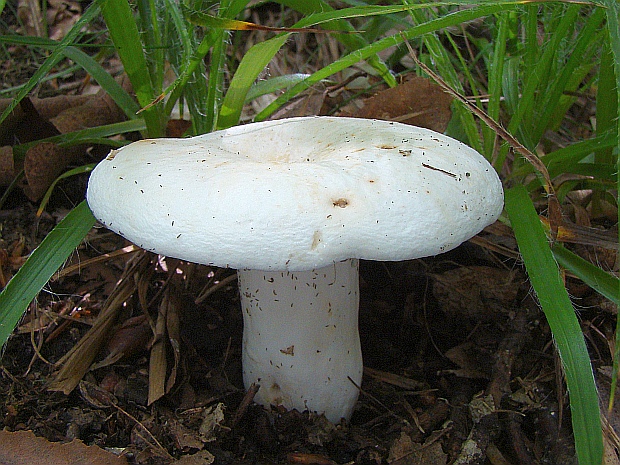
124	101
41	265
604	283
96	135
126	37
67	174
496	73
351	41
370	50
273	84
613	26
252	64
537	78
545	279
53	59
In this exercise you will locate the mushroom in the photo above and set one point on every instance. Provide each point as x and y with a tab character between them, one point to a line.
293	204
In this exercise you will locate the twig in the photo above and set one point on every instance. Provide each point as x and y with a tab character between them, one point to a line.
216	287
374	399
245	403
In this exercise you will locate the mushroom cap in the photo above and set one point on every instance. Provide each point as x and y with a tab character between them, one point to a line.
297	194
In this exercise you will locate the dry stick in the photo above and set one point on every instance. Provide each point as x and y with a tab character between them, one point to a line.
131	249
217	286
37	351
103	398
245	403
374	399
554	209
134	419
77	361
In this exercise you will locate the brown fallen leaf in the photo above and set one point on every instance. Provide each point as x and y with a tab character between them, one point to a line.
184	438
405	452
45	162
610	416
470	360
212	422
24	448
308	459
36	119
308	104
128	340
46	108
417	101
203	457
61	16
478	292
30	120
30	17
395	380
75	364
7	166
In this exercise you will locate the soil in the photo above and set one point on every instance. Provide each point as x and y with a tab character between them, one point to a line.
457	354
460	365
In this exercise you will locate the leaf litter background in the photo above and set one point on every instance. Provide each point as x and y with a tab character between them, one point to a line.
130	358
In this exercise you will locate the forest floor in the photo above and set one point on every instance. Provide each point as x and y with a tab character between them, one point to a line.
460	365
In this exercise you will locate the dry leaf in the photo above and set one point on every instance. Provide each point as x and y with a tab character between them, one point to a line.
177	127
395	380
309	104
477	292
25	123
46	108
29	14
183	437
308	459
7	166
405	452
212	423
417	101
609	420
468	357
203	457
46	161
130	339
158	360
43	164
24	448
79	359
61	16
173	328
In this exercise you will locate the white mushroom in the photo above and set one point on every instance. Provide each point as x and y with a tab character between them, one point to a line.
292	204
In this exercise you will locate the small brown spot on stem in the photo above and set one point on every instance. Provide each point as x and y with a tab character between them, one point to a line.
288	351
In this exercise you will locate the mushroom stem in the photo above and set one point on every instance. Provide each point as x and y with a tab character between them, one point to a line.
300	338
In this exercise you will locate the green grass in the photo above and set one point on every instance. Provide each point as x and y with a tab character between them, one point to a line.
555	302
41	265
526	73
